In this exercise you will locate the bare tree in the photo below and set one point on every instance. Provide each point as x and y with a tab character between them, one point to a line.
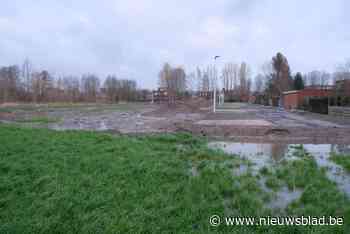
199	78
211	77
27	70
325	78
90	87
165	75
226	78
41	84
9	83
267	73
259	83
191	82
178	80
318	78
342	71
126	90
230	76
28	85
206	82
111	86
173	79
71	88
244	80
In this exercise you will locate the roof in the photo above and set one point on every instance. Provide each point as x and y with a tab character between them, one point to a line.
291	92
311	88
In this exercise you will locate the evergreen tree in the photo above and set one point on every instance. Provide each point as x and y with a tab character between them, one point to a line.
298	81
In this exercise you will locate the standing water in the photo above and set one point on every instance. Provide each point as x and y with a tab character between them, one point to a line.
266	154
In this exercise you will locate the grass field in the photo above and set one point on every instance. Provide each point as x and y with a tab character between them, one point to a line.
83	107
40	119
342	160
85	182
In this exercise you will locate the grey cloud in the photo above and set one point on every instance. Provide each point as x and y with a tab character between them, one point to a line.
133	38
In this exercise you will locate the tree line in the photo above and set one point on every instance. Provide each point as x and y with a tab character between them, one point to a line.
274	78
234	77
24	84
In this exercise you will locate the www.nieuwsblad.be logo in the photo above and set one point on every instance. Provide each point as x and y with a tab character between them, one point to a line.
216	220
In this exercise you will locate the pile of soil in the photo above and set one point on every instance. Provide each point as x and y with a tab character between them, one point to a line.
191	105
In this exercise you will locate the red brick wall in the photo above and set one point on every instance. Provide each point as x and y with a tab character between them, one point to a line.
294	100
291	101
315	93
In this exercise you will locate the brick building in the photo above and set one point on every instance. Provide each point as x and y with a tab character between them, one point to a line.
313	98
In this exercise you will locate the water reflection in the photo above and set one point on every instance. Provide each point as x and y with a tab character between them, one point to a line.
264	154
277	151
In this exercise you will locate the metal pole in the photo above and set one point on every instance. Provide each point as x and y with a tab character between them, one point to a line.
214	104
215	81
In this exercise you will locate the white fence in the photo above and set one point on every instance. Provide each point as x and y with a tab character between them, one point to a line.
339	111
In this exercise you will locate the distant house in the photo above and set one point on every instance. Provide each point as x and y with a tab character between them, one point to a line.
205	94
342	87
341	95
236	95
160	95
252	99
144	95
312	98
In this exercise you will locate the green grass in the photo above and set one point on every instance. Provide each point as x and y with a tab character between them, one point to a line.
13	109
85	107
41	119
85	182
320	196
342	160
273	183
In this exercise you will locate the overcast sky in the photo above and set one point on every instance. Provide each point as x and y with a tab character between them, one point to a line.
133	38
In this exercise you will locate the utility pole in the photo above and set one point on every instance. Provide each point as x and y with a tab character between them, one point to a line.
215	81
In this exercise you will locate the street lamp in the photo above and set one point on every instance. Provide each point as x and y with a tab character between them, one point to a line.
215	81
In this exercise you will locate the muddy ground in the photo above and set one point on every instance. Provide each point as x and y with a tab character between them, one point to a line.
256	123
127	118
237	121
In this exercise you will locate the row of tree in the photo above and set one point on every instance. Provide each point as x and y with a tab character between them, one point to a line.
27	85
173	79
276	77
235	77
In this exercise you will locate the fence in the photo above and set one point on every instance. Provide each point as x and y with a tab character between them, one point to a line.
339	111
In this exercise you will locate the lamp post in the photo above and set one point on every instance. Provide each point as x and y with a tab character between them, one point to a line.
215	81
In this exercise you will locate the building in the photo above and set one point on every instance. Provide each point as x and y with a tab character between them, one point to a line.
160	95
312	98
342	87
341	95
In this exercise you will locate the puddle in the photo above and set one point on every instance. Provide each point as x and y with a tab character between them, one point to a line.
270	154
284	197
240	170
81	125
259	154
194	171
334	172
281	198
125	122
